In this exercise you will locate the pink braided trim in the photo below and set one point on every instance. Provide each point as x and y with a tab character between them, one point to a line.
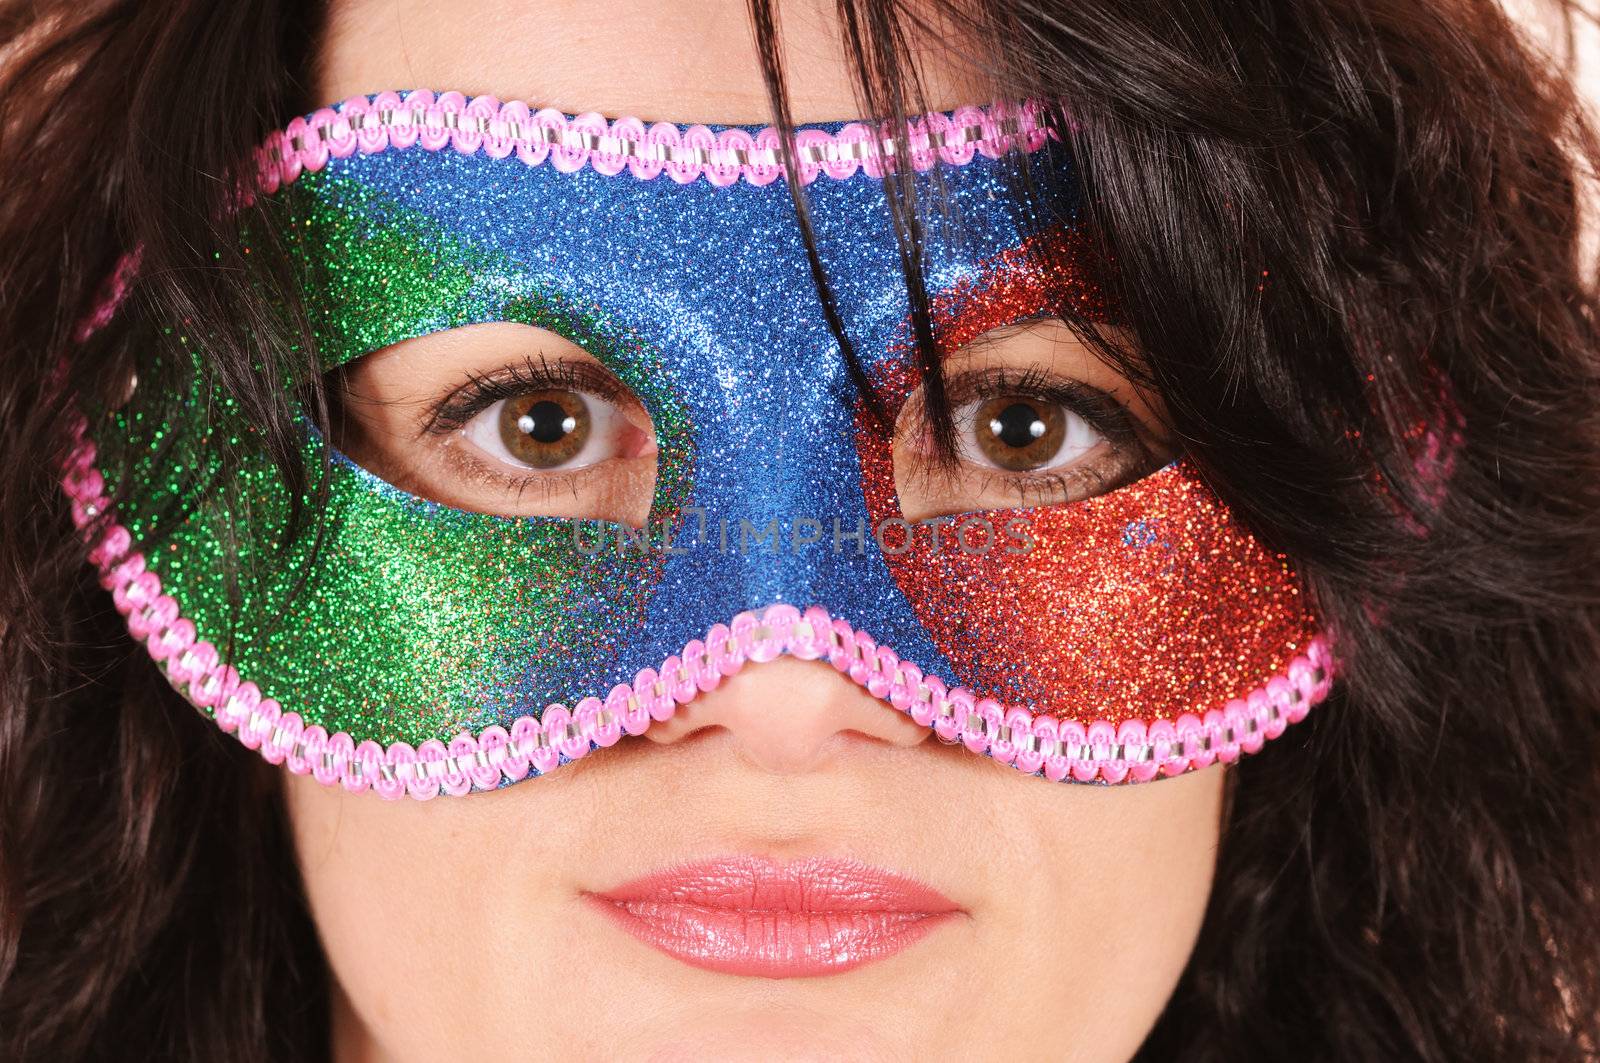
371	124
1059	749
112	292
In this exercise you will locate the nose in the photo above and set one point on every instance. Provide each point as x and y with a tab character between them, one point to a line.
790	716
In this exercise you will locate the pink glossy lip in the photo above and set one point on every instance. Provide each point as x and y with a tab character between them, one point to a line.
752	916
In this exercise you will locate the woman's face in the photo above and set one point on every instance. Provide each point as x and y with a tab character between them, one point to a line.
788	868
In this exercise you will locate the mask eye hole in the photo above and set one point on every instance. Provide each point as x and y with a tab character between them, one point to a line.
503	419
1038	420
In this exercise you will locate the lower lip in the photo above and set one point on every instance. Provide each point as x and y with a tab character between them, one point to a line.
755	917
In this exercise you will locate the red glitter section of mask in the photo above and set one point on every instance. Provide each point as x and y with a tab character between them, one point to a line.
1145	602
1142	603
1047	274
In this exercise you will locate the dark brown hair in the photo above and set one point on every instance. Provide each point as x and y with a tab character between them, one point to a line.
1330	217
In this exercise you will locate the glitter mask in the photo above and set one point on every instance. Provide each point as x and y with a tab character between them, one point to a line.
1128	636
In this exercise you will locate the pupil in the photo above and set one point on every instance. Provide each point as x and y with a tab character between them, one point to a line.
546	422
1018	425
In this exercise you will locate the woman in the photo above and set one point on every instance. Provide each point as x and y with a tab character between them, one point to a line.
1267	322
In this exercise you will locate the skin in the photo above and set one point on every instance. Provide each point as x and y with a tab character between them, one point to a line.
459	927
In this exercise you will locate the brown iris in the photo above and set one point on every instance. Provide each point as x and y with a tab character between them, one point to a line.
545	429
1019	433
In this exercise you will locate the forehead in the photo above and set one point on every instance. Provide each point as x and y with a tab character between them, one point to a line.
691	60
404	241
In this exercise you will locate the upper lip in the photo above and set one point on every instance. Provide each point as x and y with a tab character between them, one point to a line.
813	884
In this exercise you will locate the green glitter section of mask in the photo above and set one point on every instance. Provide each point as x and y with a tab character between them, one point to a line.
371	273
414	621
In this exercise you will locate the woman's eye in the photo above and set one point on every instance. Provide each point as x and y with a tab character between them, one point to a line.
553	429
1019	433
1021	439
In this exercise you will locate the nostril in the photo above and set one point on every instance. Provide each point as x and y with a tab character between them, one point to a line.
787	715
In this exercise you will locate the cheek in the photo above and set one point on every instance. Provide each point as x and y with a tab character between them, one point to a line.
432	915
1111	889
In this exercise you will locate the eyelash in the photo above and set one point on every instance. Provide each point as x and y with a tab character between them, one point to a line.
480	391
1104	413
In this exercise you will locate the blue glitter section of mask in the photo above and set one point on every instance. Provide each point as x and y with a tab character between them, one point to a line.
716	279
